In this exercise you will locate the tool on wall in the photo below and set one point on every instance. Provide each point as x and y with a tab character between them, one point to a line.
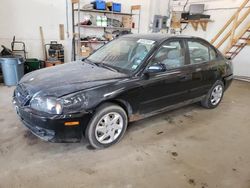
21	47
54	54
5	51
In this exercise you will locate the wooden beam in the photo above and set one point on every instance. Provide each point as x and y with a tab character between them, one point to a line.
203	25
243	31
229	21
229	32
232	41
195	25
238	37
74	1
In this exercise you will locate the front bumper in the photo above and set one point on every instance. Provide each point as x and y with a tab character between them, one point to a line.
53	128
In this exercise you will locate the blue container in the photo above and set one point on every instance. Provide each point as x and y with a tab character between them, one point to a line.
116	7
99	5
12	68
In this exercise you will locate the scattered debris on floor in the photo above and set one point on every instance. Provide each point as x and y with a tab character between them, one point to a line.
139	158
191	181
204	185
88	171
169	119
175	154
188	115
160	132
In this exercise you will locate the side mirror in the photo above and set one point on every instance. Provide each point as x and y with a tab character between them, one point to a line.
156	68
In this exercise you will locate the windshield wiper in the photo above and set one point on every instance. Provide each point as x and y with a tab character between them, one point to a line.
103	65
107	67
91	62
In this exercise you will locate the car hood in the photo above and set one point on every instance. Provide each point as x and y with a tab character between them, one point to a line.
69	78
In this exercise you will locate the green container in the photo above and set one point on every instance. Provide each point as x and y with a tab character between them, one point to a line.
32	64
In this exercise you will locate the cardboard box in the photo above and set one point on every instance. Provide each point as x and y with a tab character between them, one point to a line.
108	36
85	51
127	21
52	63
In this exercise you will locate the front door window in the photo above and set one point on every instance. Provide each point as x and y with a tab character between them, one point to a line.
171	55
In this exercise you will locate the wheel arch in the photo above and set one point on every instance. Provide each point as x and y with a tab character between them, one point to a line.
122	103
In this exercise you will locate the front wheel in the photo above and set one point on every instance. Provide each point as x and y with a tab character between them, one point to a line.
214	96
107	126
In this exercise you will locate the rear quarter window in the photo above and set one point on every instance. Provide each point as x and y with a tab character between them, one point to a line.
213	54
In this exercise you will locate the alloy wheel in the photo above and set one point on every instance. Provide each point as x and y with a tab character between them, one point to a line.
216	95
109	128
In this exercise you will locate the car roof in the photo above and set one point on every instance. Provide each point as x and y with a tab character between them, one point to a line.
156	37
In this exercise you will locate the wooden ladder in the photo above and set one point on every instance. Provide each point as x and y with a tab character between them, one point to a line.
228	32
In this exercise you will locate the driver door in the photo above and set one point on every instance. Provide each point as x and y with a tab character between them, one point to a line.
163	89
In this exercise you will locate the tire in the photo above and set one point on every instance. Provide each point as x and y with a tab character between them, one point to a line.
210	101
107	126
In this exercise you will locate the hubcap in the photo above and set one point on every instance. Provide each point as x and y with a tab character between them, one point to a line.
109	128
216	95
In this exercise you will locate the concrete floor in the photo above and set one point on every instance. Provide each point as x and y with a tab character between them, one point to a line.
189	147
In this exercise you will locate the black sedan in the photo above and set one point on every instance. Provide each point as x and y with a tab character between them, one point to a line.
130	78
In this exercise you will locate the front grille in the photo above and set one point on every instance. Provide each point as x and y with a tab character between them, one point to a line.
22	95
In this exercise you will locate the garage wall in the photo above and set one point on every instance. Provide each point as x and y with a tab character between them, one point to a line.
22	18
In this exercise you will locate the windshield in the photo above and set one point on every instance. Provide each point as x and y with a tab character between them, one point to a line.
123	54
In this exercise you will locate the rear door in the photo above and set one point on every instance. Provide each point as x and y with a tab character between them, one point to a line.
202	59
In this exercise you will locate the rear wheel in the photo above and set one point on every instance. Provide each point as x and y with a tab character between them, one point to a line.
214	96
107	126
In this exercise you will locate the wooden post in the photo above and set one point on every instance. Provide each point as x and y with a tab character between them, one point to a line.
43	42
61	31
233	29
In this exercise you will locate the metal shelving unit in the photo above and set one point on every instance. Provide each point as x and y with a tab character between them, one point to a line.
102	27
104	12
76	26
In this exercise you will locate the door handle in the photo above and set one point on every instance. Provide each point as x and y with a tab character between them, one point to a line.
185	77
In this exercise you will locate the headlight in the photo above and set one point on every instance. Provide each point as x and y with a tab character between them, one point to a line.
49	105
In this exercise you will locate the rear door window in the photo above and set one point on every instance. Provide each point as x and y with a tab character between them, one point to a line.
198	52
